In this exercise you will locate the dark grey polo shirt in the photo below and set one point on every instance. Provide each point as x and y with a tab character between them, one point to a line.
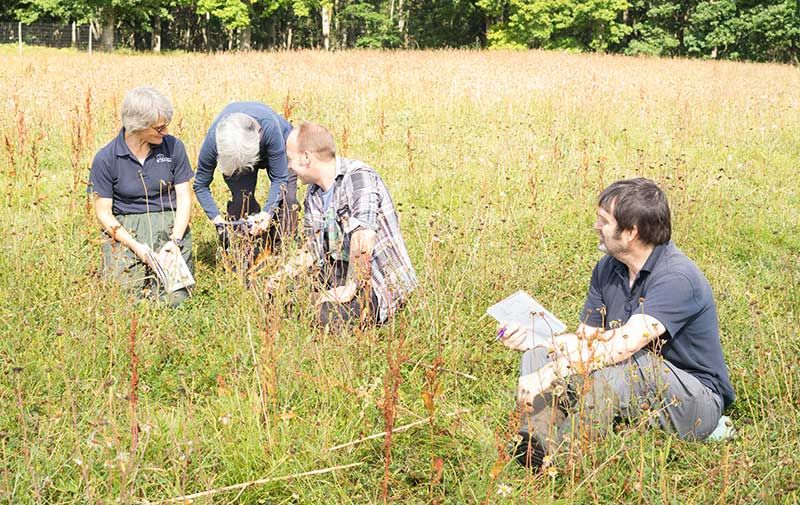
139	188
673	290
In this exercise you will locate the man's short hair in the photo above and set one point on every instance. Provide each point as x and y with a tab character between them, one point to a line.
639	202
317	140
238	143
142	107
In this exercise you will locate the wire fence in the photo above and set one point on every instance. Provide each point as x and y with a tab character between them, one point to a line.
61	35
48	34
188	33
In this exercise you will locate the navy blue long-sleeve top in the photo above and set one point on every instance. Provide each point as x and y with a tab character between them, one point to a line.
272	157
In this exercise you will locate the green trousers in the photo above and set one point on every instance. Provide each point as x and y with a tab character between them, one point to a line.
123	266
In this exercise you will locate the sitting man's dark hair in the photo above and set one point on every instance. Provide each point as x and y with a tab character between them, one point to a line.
641	203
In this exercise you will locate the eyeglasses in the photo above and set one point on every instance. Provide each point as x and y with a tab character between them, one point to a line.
161	128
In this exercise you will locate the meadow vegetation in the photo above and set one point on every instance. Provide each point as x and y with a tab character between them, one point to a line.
495	160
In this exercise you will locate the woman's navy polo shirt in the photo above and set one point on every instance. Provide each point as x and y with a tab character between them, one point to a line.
140	188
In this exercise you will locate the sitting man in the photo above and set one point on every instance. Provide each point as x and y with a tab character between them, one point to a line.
352	230
244	138
648	341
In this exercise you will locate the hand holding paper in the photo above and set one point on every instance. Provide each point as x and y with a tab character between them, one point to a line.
524	323
176	271
513	336
170	267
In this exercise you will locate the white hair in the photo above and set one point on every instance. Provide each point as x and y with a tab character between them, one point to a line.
142	107
238	143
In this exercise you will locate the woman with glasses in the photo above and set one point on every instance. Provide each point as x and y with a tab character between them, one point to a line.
140	181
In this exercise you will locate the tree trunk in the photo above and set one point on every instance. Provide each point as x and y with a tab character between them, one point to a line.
336	25
272	35
247	36
247	31
401	23
107	36
74	35
327	14
206	39
156	41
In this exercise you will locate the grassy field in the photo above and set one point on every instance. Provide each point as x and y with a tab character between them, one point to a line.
495	160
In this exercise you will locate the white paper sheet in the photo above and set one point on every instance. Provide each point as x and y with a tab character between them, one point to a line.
530	314
176	271
171	269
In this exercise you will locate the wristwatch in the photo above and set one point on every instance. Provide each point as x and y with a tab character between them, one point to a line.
178	242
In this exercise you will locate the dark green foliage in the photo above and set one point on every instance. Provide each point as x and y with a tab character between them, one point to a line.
369	27
447	23
765	30
730	29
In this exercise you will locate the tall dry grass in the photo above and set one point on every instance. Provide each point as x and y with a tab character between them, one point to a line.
494	160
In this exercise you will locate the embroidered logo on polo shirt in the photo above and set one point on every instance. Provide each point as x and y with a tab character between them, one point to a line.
160	158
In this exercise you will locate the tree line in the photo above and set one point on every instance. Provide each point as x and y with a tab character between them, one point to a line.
766	30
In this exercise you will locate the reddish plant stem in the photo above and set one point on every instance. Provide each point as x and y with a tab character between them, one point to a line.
133	397
391	385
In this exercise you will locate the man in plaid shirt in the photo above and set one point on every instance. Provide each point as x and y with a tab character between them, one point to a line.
352	230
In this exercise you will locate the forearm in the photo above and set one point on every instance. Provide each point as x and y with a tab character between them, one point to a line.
589	351
623	342
202	183
274	196
362	246
277	165
182	215
593	348
115	230
203	193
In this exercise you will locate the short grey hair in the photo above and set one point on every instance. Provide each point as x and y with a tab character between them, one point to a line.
238	143
142	107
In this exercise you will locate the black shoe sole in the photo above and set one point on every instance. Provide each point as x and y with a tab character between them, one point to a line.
528	452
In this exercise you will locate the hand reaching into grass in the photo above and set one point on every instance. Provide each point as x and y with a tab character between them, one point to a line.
532	385
341	294
260	223
299	263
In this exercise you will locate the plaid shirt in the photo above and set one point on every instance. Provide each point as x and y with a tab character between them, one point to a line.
361	200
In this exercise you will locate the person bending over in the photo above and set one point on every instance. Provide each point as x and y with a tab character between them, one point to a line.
352	232
245	138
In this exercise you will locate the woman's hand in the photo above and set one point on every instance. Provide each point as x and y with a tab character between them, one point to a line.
170	247
141	250
261	222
